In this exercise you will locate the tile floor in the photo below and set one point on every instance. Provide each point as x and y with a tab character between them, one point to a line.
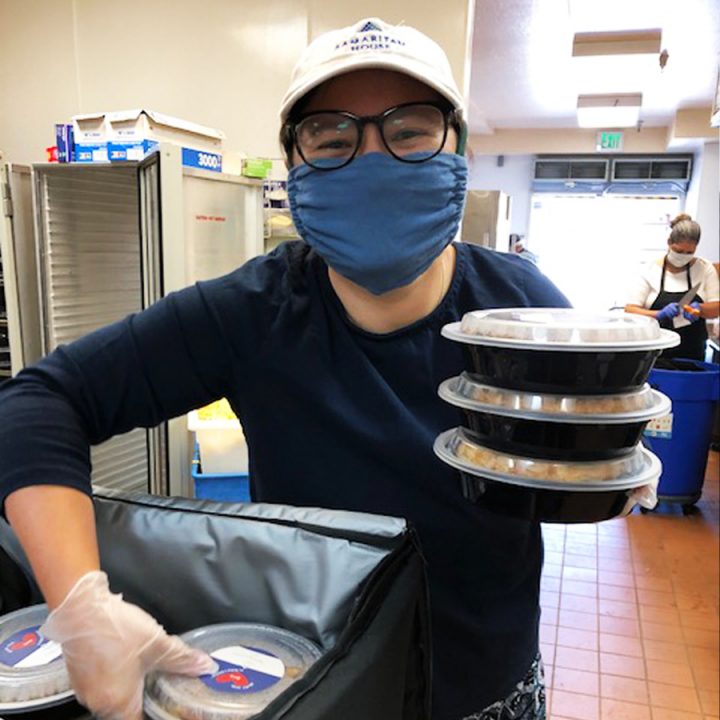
630	614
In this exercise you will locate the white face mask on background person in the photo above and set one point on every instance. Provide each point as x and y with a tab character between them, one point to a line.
679	259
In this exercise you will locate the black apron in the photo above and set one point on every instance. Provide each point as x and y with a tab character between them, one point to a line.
692	337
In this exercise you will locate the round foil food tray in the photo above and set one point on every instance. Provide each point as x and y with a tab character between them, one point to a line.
33	675
256	663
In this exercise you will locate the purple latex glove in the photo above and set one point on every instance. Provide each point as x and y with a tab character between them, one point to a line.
668	312
692	316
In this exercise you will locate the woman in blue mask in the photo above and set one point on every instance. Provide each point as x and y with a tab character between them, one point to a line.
664	282
331	343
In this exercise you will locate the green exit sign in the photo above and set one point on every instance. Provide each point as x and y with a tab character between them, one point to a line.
612	141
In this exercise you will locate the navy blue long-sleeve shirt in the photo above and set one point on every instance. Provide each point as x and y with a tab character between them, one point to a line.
334	416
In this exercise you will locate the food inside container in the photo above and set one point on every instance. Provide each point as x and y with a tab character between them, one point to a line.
32	670
564	427
560	351
546	490
563	327
256	663
643	404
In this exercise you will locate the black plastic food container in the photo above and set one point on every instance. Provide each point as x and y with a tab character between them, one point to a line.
589	373
560	350
69	710
546	490
566	441
564	427
548	506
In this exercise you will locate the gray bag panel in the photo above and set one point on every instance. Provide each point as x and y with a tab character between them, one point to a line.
191	563
342	521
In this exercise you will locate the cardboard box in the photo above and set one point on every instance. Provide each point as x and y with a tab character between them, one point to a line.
256	167
90	135
131	134
64	142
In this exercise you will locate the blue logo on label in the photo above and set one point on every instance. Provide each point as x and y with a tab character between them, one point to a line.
370	37
21	644
235	678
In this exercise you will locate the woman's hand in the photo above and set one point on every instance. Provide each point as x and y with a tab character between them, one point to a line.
692	312
668	312
109	645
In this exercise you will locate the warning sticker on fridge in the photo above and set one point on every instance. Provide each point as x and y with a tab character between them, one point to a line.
660	427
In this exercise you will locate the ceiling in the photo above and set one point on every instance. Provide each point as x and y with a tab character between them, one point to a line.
523	74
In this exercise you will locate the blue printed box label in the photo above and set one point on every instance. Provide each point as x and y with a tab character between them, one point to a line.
137	150
660	427
202	160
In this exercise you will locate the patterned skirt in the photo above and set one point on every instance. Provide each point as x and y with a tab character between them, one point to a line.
525	702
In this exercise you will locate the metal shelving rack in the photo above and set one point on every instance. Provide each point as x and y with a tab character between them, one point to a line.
89	244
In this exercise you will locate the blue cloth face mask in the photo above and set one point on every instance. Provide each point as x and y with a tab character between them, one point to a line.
378	221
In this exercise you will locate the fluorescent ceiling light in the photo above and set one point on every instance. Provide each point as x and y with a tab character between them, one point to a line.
625	42
609	111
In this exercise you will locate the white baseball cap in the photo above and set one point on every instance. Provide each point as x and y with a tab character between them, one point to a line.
372	43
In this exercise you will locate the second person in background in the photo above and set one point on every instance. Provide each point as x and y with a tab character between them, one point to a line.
665	281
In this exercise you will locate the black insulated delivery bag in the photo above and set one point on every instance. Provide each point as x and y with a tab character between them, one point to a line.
352	583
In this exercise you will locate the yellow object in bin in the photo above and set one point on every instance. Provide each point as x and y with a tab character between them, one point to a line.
218	410
220	437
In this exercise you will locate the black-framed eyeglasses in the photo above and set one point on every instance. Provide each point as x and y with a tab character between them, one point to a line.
411	132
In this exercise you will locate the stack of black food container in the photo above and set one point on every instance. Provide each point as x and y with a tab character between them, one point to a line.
555	403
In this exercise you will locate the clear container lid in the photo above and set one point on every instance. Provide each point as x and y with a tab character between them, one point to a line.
32	670
255	664
644	404
560	329
460	449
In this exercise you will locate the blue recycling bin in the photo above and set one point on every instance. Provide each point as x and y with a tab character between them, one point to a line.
682	440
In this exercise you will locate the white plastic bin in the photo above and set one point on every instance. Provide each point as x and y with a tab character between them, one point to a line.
219	434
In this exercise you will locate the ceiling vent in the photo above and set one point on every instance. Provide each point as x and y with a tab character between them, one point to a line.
577	169
651	169
626	42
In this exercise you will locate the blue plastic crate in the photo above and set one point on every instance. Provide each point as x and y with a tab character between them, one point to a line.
225	487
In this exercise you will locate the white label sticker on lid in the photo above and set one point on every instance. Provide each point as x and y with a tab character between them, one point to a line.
244	670
251	659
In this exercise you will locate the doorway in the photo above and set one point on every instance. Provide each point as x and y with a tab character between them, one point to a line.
592	246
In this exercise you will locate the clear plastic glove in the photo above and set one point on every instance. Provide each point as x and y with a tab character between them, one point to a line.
109	645
644	496
691	312
668	312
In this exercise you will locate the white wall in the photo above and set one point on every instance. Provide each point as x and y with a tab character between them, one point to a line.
513	178
703	199
222	63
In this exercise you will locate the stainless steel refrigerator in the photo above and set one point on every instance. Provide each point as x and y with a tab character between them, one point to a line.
85	245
